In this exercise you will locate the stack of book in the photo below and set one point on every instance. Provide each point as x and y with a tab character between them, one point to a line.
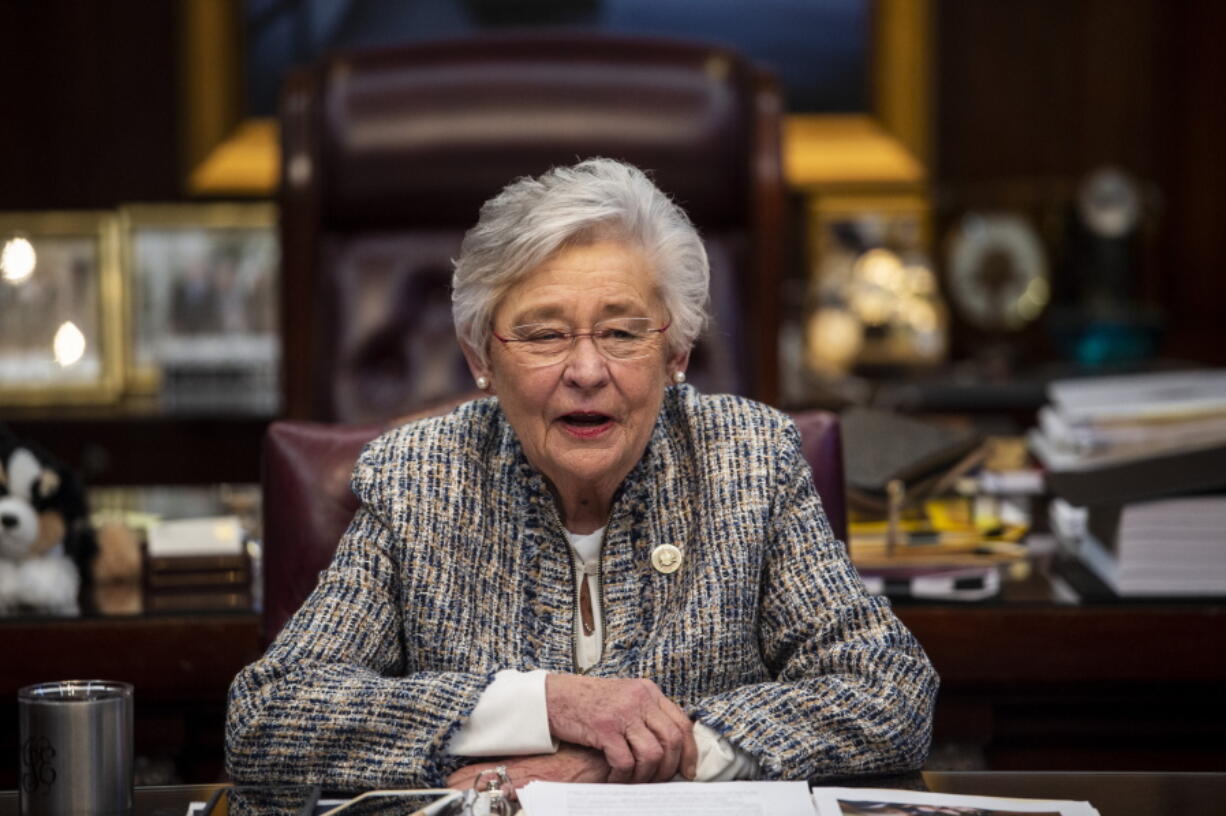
1137	465
1161	548
1129	438
197	564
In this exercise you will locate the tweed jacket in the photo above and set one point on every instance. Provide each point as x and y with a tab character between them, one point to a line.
456	566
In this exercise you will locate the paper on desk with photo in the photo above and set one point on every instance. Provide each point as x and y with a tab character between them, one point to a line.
847	801
667	799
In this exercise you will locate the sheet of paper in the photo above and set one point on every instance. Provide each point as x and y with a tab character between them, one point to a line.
847	801
667	799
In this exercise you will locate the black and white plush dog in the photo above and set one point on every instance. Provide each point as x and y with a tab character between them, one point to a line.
46	542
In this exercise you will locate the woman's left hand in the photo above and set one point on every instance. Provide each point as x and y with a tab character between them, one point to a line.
571	763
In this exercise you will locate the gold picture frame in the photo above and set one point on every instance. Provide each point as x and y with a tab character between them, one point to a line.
61	313
201	290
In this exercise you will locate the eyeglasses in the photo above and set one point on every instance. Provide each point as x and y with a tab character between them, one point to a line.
619	338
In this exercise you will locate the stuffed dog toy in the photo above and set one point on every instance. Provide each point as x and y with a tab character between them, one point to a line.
46	543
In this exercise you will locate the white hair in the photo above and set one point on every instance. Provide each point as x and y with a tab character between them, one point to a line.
597	199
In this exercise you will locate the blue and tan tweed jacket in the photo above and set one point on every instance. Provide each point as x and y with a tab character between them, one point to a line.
456	566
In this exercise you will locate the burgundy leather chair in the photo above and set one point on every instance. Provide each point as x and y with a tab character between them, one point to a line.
308	503
387	156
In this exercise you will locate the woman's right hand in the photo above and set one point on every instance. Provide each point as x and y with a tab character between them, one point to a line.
645	737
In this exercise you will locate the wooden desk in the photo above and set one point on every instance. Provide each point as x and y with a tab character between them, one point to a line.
181	666
1113	794
156	801
1041	686
1025	686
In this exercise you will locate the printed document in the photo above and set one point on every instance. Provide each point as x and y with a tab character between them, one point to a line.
667	799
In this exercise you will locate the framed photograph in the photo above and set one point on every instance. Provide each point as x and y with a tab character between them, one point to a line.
873	293
61	315
203	305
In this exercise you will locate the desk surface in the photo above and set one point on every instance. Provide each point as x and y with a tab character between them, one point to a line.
1113	794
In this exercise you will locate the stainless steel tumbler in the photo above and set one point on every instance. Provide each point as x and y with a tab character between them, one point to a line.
76	748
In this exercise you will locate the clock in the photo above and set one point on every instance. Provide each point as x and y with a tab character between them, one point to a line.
997	272
1109	203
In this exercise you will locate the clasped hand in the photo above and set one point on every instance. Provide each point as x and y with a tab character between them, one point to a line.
644	736
610	729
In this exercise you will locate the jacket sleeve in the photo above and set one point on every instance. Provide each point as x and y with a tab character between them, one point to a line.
336	700
853	691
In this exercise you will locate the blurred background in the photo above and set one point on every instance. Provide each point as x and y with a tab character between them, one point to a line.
976	201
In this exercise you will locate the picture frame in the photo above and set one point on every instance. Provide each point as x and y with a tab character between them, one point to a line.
873	294
61	315
202	305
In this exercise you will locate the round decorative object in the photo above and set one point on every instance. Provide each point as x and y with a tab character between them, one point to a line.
834	338
666	558
17	259
679	377
998	272
1109	203
483	383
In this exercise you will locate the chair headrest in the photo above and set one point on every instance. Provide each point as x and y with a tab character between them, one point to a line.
426	133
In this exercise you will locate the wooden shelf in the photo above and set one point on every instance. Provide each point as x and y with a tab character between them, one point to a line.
138	449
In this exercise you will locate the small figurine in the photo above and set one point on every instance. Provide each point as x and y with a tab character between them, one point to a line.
46	541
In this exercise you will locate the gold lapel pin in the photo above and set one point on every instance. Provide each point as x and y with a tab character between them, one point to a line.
666	558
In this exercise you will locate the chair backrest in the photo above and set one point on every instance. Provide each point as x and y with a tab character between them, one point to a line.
308	503
387	156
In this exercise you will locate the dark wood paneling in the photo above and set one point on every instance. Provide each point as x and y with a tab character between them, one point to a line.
1034	94
1043	88
1193	178
91	108
151	450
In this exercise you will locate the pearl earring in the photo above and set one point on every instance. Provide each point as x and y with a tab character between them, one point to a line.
483	383
678	377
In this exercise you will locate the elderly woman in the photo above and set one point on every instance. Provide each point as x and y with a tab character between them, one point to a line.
595	573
